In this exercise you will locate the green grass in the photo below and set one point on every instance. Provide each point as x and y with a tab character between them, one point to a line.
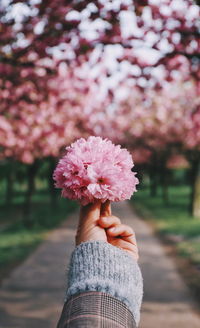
17	240
16	243
191	250
172	219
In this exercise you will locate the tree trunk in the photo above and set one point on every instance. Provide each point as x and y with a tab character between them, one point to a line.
153	183
9	184
153	168
52	190
195	189
31	172
164	182
165	193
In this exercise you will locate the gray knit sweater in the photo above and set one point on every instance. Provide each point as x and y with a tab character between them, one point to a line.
99	266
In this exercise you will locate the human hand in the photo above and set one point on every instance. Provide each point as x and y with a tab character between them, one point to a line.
120	235
97	223
88	227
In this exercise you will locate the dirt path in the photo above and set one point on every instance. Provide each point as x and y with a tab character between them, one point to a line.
32	296
167	301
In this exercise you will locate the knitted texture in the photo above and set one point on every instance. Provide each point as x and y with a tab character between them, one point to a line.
99	266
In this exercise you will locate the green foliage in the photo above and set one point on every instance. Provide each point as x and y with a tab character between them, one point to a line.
16	240
16	243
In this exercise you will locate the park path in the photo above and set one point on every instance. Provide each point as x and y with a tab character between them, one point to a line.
32	295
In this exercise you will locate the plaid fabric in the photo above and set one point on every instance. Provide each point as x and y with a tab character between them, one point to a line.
95	310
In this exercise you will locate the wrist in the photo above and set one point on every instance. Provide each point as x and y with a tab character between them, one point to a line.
99	266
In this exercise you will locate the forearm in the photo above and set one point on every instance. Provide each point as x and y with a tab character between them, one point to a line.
101	267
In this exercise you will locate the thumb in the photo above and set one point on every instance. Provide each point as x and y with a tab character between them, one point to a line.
90	212
106	208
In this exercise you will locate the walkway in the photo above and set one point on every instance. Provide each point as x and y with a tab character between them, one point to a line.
32	295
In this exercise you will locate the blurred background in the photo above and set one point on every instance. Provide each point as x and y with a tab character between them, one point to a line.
127	70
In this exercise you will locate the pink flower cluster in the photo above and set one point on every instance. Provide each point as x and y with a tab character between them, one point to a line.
95	169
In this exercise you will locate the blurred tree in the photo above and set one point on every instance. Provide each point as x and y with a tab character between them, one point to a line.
34	33
158	125
45	101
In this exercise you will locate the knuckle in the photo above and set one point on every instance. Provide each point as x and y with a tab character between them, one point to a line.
116	219
130	229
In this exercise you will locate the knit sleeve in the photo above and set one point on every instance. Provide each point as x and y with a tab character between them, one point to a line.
99	266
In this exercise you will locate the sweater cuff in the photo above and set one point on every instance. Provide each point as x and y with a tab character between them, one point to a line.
99	266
